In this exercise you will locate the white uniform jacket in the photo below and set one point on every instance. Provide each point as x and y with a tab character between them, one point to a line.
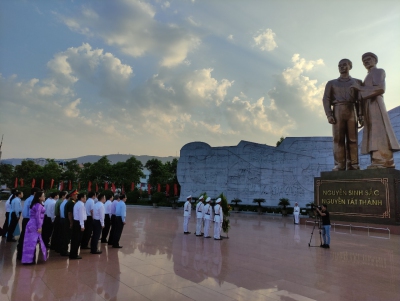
187	209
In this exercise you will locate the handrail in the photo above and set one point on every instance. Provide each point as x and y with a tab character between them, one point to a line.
354	226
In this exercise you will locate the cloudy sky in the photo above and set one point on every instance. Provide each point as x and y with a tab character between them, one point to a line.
147	77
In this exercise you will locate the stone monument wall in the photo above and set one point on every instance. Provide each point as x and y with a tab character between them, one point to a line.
251	170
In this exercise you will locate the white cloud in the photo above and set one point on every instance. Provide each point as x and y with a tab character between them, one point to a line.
136	31
310	92
71	110
266	40
230	37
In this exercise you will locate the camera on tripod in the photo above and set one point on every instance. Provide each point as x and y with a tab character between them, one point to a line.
314	207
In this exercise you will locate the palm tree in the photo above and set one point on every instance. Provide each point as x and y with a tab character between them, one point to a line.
283	202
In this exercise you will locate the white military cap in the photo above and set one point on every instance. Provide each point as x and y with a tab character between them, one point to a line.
208	200
218	200
189	197
200	198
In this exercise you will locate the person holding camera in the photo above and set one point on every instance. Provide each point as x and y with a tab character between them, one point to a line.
326	225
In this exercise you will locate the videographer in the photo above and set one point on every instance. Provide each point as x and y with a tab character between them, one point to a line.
326	225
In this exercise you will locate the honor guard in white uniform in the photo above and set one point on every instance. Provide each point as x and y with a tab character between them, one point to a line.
199	216
207	217
296	213
218	218
187	211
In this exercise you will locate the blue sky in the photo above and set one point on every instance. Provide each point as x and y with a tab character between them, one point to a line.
147	77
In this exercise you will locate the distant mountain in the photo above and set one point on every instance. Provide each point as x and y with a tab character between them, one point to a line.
114	158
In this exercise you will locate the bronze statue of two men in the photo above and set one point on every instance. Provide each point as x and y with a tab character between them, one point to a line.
348	102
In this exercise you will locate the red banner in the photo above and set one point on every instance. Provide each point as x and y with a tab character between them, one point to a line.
167	189
61	185
123	189
89	188
175	189
97	187
148	188
70	185
21	182
132	186
158	187
33	183
51	183
41	184
16	183
105	185
113	187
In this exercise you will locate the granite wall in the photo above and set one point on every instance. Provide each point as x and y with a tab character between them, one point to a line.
251	170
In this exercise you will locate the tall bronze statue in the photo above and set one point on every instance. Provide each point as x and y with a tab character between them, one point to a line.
378	139
340	104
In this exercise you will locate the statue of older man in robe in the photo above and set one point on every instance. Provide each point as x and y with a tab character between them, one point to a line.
379	140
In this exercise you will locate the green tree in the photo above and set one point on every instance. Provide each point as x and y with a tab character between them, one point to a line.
71	171
158	172
280	141
6	174
28	170
52	170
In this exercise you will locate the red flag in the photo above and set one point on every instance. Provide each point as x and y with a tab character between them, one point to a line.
16	183
148	188
175	189
97	187
158	187
41	184
167	189
79	185
33	183
51	183
21	181
70	185
113	187
61	185
123	190
132	186
105	185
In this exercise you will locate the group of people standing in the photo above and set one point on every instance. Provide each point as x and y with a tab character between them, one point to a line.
205	213
61	220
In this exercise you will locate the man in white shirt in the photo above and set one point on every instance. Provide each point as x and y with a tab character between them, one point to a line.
207	217
89	206
296	213
199	216
218	218
107	220
187	211
8	209
15	214
78	226
120	220
113	220
98	223
49	217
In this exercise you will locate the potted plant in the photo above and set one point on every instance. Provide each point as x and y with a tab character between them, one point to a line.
236	201
173	201
283	202
156	198
259	201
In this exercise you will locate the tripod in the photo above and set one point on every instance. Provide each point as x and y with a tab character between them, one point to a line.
317	221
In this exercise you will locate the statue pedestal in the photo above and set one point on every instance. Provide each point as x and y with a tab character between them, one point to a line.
365	196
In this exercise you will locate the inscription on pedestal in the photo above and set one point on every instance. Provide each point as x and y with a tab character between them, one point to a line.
360	196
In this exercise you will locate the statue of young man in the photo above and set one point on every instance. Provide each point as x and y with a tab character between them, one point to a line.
340	105
378	139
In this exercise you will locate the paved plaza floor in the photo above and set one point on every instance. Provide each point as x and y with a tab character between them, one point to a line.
265	258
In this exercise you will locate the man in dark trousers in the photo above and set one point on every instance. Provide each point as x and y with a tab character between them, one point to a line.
120	216
89	206
78	226
98	223
107	220
67	222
